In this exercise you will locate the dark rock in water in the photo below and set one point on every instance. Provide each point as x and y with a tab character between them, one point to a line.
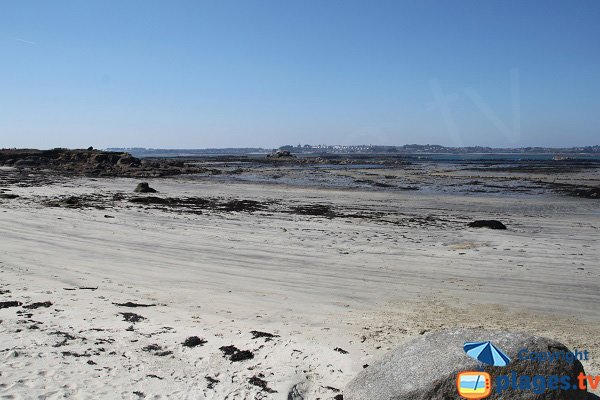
487	223
194	341
7	304
144	187
33	306
426	368
8	196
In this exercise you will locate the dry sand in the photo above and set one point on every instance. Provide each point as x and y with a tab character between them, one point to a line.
336	291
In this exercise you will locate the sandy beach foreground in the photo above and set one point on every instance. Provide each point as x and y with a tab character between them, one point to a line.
307	284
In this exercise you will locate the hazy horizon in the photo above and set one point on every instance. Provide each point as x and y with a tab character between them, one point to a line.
190	74
302	144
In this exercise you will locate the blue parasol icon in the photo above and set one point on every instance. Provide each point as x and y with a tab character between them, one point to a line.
486	353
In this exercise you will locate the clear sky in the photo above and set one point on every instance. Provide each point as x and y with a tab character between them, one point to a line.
194	74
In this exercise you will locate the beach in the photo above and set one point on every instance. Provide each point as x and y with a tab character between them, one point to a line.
309	284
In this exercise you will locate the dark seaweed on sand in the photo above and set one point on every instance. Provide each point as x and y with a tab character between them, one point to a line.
7	304
130	304
258	334
261	383
194	341
44	304
211	382
236	354
132	317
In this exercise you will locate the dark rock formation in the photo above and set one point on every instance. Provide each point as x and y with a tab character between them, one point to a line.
281	154
92	162
144	187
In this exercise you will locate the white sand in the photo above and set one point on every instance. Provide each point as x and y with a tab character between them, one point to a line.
356	284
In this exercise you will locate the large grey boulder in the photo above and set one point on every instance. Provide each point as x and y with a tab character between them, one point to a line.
426	368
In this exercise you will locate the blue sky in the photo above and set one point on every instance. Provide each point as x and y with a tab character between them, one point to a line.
191	74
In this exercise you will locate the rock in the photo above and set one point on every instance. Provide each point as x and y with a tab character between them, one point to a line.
144	187
426	368
487	223
90	162
281	154
127	160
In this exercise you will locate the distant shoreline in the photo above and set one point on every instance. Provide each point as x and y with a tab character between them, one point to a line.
364	150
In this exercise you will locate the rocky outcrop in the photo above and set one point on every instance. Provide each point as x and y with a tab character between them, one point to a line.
285	154
426	369
144	187
92	162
